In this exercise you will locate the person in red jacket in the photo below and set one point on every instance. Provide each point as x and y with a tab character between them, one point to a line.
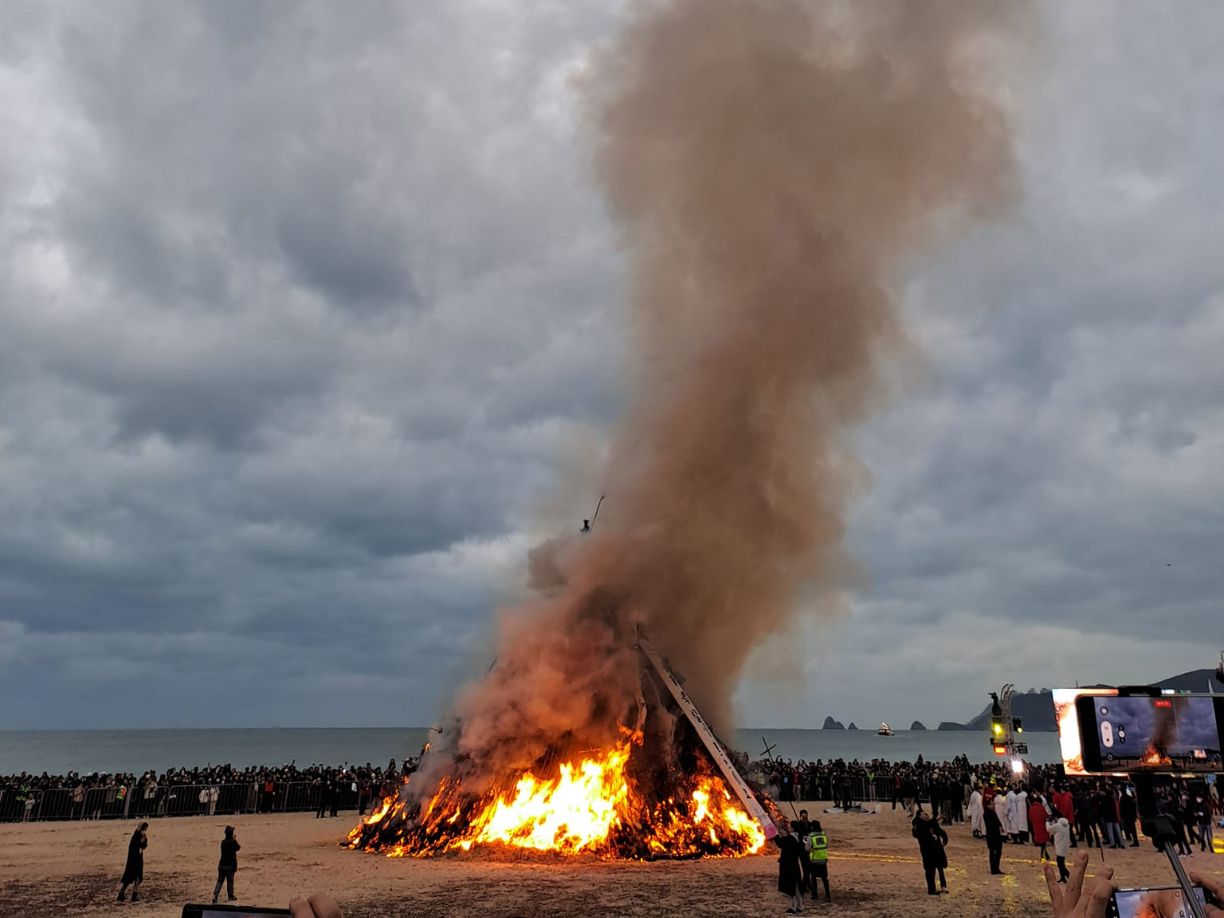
1037	821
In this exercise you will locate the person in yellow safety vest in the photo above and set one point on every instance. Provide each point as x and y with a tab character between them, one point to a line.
818	851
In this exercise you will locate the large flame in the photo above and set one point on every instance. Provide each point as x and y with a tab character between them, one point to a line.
1153	757
574	812
589	806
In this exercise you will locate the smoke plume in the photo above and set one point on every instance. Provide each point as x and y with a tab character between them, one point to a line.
774	166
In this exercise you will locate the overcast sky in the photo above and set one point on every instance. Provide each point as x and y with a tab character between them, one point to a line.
301	306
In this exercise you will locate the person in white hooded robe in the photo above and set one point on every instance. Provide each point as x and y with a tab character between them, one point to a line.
1017	814
1000	808
975	813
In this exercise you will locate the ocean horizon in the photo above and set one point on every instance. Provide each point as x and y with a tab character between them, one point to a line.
136	751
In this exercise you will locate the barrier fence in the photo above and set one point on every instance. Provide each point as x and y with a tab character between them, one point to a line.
67	803
859	788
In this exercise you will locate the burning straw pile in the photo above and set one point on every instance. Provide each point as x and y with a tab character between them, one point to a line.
774	166
626	801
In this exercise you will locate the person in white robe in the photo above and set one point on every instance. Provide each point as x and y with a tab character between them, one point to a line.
1017	813
975	813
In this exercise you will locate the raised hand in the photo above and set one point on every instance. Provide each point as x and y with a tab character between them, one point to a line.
1073	900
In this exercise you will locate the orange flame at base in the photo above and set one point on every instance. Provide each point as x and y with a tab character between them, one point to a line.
1154	757
590	806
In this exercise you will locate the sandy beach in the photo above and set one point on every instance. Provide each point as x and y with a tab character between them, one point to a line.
53	869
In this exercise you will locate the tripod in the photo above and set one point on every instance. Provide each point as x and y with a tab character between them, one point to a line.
1159	828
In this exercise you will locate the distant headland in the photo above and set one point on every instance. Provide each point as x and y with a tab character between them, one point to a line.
1036	706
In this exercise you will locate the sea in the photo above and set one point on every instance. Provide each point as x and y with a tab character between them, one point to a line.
136	751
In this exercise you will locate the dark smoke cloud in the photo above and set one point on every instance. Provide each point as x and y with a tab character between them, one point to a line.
775	166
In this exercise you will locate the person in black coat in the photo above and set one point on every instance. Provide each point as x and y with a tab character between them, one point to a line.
802	827
228	866
790	871
1128	811
994	838
324	784
133	870
931	841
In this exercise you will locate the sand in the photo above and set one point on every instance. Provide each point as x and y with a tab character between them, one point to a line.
53	869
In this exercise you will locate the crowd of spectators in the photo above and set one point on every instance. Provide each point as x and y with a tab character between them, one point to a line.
945	786
876	779
193	791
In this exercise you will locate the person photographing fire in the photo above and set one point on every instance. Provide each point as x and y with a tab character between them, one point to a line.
227	867
1089	898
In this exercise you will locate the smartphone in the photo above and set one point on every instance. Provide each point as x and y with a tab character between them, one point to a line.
1171	734
1128	903
230	911
1066	713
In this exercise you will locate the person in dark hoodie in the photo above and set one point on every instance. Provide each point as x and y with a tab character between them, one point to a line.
931	841
133	870
228	865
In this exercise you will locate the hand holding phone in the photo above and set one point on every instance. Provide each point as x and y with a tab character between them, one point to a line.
1213	889
1153	902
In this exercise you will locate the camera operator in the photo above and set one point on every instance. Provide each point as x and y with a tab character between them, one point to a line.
1059	831
228	865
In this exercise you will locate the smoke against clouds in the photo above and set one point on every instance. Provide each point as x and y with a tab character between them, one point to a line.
773	167
293	508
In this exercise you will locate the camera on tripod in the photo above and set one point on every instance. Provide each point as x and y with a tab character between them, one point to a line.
1149	735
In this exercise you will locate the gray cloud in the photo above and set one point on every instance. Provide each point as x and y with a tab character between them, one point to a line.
300	308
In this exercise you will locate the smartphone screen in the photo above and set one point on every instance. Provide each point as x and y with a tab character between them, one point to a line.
1169	733
230	911
1129	903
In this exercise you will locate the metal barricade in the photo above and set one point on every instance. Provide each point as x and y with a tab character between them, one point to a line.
8	807
297	797
206	799
53	803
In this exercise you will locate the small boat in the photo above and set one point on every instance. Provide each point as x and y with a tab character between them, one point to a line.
885	730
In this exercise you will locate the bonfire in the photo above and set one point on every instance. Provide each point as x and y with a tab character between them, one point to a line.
665	798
